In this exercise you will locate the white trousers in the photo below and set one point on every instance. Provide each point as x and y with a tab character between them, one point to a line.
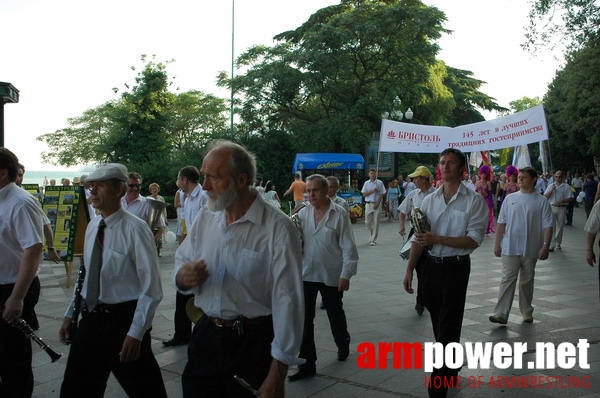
512	267
559	214
372	220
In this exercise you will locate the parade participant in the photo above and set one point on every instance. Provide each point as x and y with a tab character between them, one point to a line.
421	178
333	184
188	180
242	259
329	260
138	205
119	296
458	217
21	245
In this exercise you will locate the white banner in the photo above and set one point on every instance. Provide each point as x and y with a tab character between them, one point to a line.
518	129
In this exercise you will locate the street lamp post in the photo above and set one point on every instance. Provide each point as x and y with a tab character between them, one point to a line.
396	114
8	94
232	63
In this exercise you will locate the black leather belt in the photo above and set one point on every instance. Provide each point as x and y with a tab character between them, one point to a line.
449	259
109	308
231	323
371	202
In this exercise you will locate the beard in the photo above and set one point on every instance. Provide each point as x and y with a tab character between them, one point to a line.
218	202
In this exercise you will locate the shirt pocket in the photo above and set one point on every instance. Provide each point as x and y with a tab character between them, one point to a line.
457	223
251	267
327	236
114	264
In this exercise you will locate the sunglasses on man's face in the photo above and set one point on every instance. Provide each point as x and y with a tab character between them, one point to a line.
134	185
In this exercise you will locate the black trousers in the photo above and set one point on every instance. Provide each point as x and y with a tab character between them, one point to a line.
16	375
95	354
183	324
216	354
335	312
446	292
421	274
570	209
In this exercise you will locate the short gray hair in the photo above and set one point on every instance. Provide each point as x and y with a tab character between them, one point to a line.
242	160
319	177
334	179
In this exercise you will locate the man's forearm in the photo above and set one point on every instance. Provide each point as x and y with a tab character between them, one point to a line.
48	235
27	270
591	238
278	369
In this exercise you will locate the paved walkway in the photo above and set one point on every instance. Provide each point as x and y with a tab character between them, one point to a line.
566	303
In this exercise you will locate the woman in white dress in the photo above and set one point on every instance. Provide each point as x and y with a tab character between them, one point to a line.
271	195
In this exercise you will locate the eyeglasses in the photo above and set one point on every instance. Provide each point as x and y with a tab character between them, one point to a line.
134	185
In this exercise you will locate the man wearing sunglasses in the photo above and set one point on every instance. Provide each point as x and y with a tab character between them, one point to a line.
138	205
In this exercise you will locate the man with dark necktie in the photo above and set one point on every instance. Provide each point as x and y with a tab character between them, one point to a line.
119	295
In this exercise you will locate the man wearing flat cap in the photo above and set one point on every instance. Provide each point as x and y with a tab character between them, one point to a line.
421	177
119	295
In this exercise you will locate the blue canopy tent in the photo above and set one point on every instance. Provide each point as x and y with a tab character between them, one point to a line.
319	162
328	161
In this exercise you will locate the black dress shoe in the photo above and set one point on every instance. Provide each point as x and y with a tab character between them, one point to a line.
302	373
174	342
343	353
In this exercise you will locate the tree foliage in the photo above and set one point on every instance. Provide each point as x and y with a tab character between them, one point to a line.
321	88
327	82
572	106
566	23
149	129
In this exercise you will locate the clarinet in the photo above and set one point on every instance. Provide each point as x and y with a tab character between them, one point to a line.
77	301
24	327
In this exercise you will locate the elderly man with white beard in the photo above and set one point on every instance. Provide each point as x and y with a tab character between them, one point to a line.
242	259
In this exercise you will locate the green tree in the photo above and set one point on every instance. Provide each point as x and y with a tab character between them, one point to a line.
467	98
149	129
140	122
524	103
83	141
565	23
571	105
327	82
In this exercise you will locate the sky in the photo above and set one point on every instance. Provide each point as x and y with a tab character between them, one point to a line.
66	56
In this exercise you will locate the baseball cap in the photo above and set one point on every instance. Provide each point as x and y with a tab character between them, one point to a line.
421	171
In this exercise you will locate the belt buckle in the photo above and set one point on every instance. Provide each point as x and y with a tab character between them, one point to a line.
218	322
439	260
